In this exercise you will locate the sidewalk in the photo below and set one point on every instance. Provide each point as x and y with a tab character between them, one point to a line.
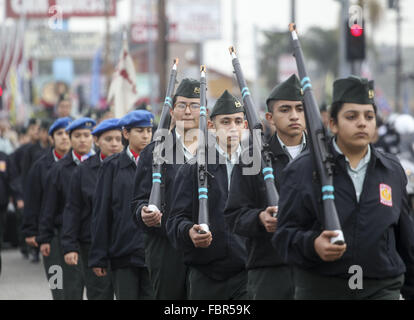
21	279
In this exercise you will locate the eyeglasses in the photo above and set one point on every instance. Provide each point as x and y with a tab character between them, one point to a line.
182	106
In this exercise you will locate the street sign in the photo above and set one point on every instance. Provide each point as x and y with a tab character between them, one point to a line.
190	21
142	32
37	9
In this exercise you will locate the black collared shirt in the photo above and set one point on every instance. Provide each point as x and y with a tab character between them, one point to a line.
378	229
226	256
55	197
247	198
116	239
77	215
36	182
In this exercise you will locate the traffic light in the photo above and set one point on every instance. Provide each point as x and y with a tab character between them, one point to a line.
355	42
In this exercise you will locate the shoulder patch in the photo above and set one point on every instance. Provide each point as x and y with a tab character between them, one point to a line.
3	166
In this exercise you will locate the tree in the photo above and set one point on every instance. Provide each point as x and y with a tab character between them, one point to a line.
318	45
276	44
321	46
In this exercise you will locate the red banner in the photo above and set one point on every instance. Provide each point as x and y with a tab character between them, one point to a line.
37	9
142	32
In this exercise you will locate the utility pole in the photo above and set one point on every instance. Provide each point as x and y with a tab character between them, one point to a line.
343	69
151	55
107	47
398	63
293	11
162	48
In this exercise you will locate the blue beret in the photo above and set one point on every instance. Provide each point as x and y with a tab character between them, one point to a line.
106	125
59	124
137	118
81	123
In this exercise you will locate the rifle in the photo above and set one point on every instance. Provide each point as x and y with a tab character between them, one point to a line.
203	219
154	202
254	123
318	143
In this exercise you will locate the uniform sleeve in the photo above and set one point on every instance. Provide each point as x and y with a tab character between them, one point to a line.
32	201
14	180
142	186
298	226
405	242
180	220
49	207
72	214
102	216
241	212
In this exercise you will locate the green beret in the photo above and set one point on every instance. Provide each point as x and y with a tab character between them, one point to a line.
353	90
189	88
226	104
289	90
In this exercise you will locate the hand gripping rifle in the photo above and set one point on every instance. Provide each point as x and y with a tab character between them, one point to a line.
154	202
318	142
254	123
203	219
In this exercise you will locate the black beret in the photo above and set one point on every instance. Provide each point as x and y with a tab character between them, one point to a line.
226	104
189	88
353	90
289	90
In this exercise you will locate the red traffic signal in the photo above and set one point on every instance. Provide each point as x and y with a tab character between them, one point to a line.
356	30
1	91
355	42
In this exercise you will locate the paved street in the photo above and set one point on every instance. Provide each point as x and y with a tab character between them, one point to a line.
21	279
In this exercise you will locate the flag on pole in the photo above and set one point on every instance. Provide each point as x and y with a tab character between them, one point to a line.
122	90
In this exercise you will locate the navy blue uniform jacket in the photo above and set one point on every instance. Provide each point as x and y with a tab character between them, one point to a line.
36	186
77	215
226	256
116	239
55	197
378	230
9	183
143	182
247	198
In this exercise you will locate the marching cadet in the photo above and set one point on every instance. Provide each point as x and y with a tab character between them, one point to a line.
76	227
55	198
217	258
268	276
166	266
116	241
36	150
36	181
33	153
371	200
18	159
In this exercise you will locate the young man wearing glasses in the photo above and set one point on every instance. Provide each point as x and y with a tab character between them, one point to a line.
165	263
